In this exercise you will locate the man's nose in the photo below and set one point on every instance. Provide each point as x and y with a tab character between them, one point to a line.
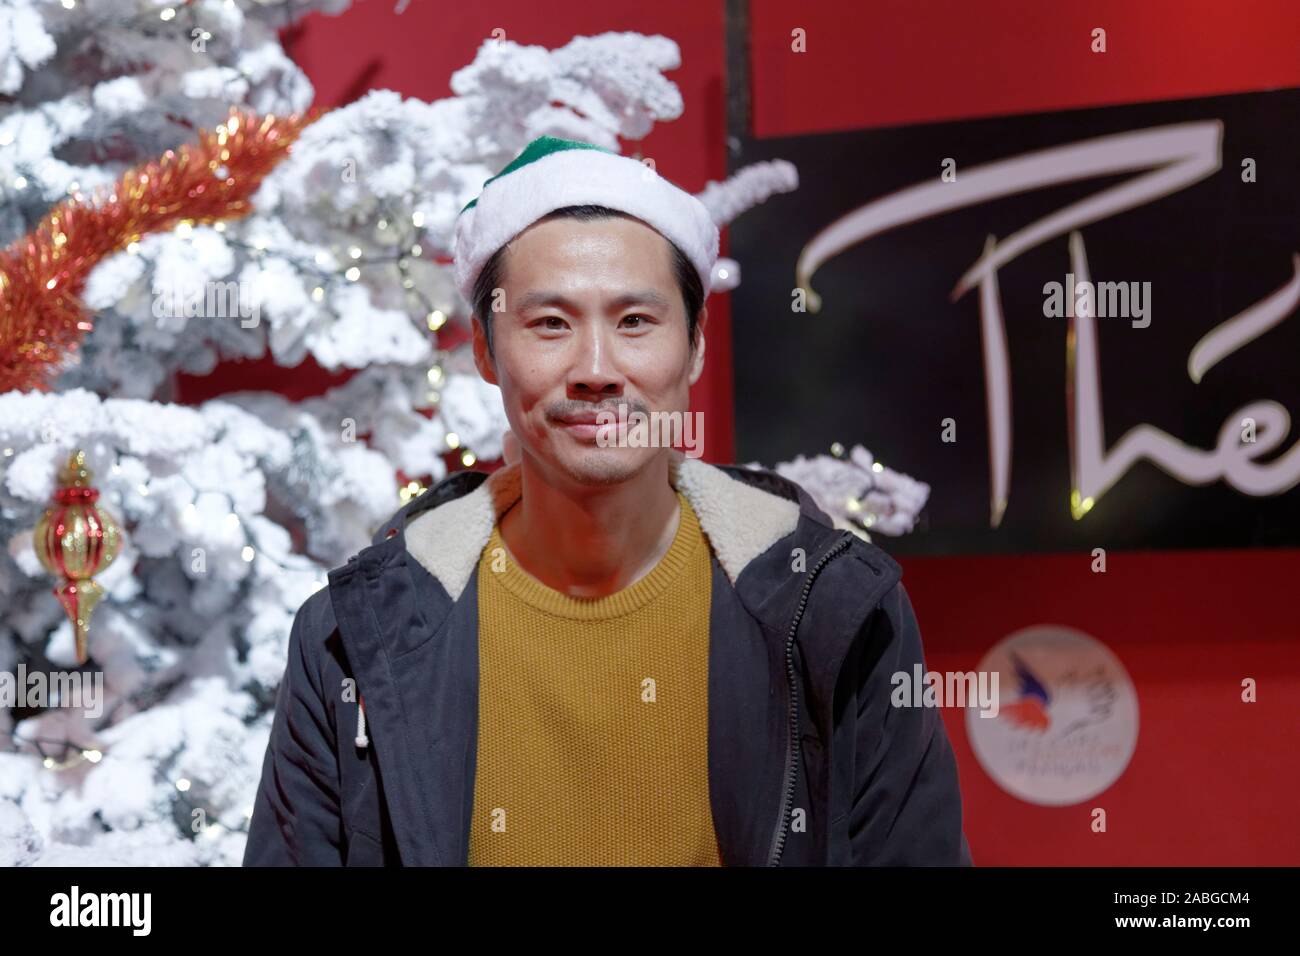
594	369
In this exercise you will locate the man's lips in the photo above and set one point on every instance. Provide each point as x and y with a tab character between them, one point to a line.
585	425
588	416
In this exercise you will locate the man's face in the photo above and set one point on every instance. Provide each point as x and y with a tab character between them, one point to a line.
593	318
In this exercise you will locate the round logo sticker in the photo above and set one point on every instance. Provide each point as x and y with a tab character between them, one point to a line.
1066	721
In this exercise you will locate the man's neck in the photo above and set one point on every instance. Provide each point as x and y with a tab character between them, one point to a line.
591	541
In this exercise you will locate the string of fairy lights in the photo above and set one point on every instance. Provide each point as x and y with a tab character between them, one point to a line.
391	229
853	504
182	785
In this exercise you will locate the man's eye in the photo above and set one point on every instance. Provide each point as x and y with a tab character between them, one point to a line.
559	323
643	319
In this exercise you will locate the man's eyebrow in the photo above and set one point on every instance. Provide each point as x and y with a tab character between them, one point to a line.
532	300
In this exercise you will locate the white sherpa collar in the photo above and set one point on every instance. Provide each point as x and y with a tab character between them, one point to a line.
553	173
739	521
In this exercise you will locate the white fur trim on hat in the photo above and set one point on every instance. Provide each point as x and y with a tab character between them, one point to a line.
512	202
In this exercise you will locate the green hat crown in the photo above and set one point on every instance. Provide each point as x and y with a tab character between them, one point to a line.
538	148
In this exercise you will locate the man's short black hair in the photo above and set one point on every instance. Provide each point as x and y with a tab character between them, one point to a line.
688	280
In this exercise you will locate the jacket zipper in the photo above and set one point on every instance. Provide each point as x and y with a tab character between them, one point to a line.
792	746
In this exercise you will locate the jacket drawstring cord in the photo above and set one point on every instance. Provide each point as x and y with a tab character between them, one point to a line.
362	739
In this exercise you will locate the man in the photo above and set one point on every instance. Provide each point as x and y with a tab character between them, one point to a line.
603	653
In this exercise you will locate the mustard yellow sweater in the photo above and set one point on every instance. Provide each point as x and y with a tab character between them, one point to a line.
593	716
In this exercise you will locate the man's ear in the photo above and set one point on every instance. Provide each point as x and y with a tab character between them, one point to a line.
482	360
697	361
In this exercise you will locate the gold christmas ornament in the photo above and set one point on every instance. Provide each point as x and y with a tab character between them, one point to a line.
75	540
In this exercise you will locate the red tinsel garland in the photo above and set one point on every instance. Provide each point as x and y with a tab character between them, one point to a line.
42	275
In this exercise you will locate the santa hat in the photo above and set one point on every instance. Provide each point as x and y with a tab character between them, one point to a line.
553	173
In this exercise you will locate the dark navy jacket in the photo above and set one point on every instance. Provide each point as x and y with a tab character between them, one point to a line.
807	625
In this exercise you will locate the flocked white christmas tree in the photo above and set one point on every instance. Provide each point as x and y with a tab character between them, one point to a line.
234	510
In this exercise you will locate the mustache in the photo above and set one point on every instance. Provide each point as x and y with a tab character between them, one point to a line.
562	411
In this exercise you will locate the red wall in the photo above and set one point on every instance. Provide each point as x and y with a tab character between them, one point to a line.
894	62
1213	781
